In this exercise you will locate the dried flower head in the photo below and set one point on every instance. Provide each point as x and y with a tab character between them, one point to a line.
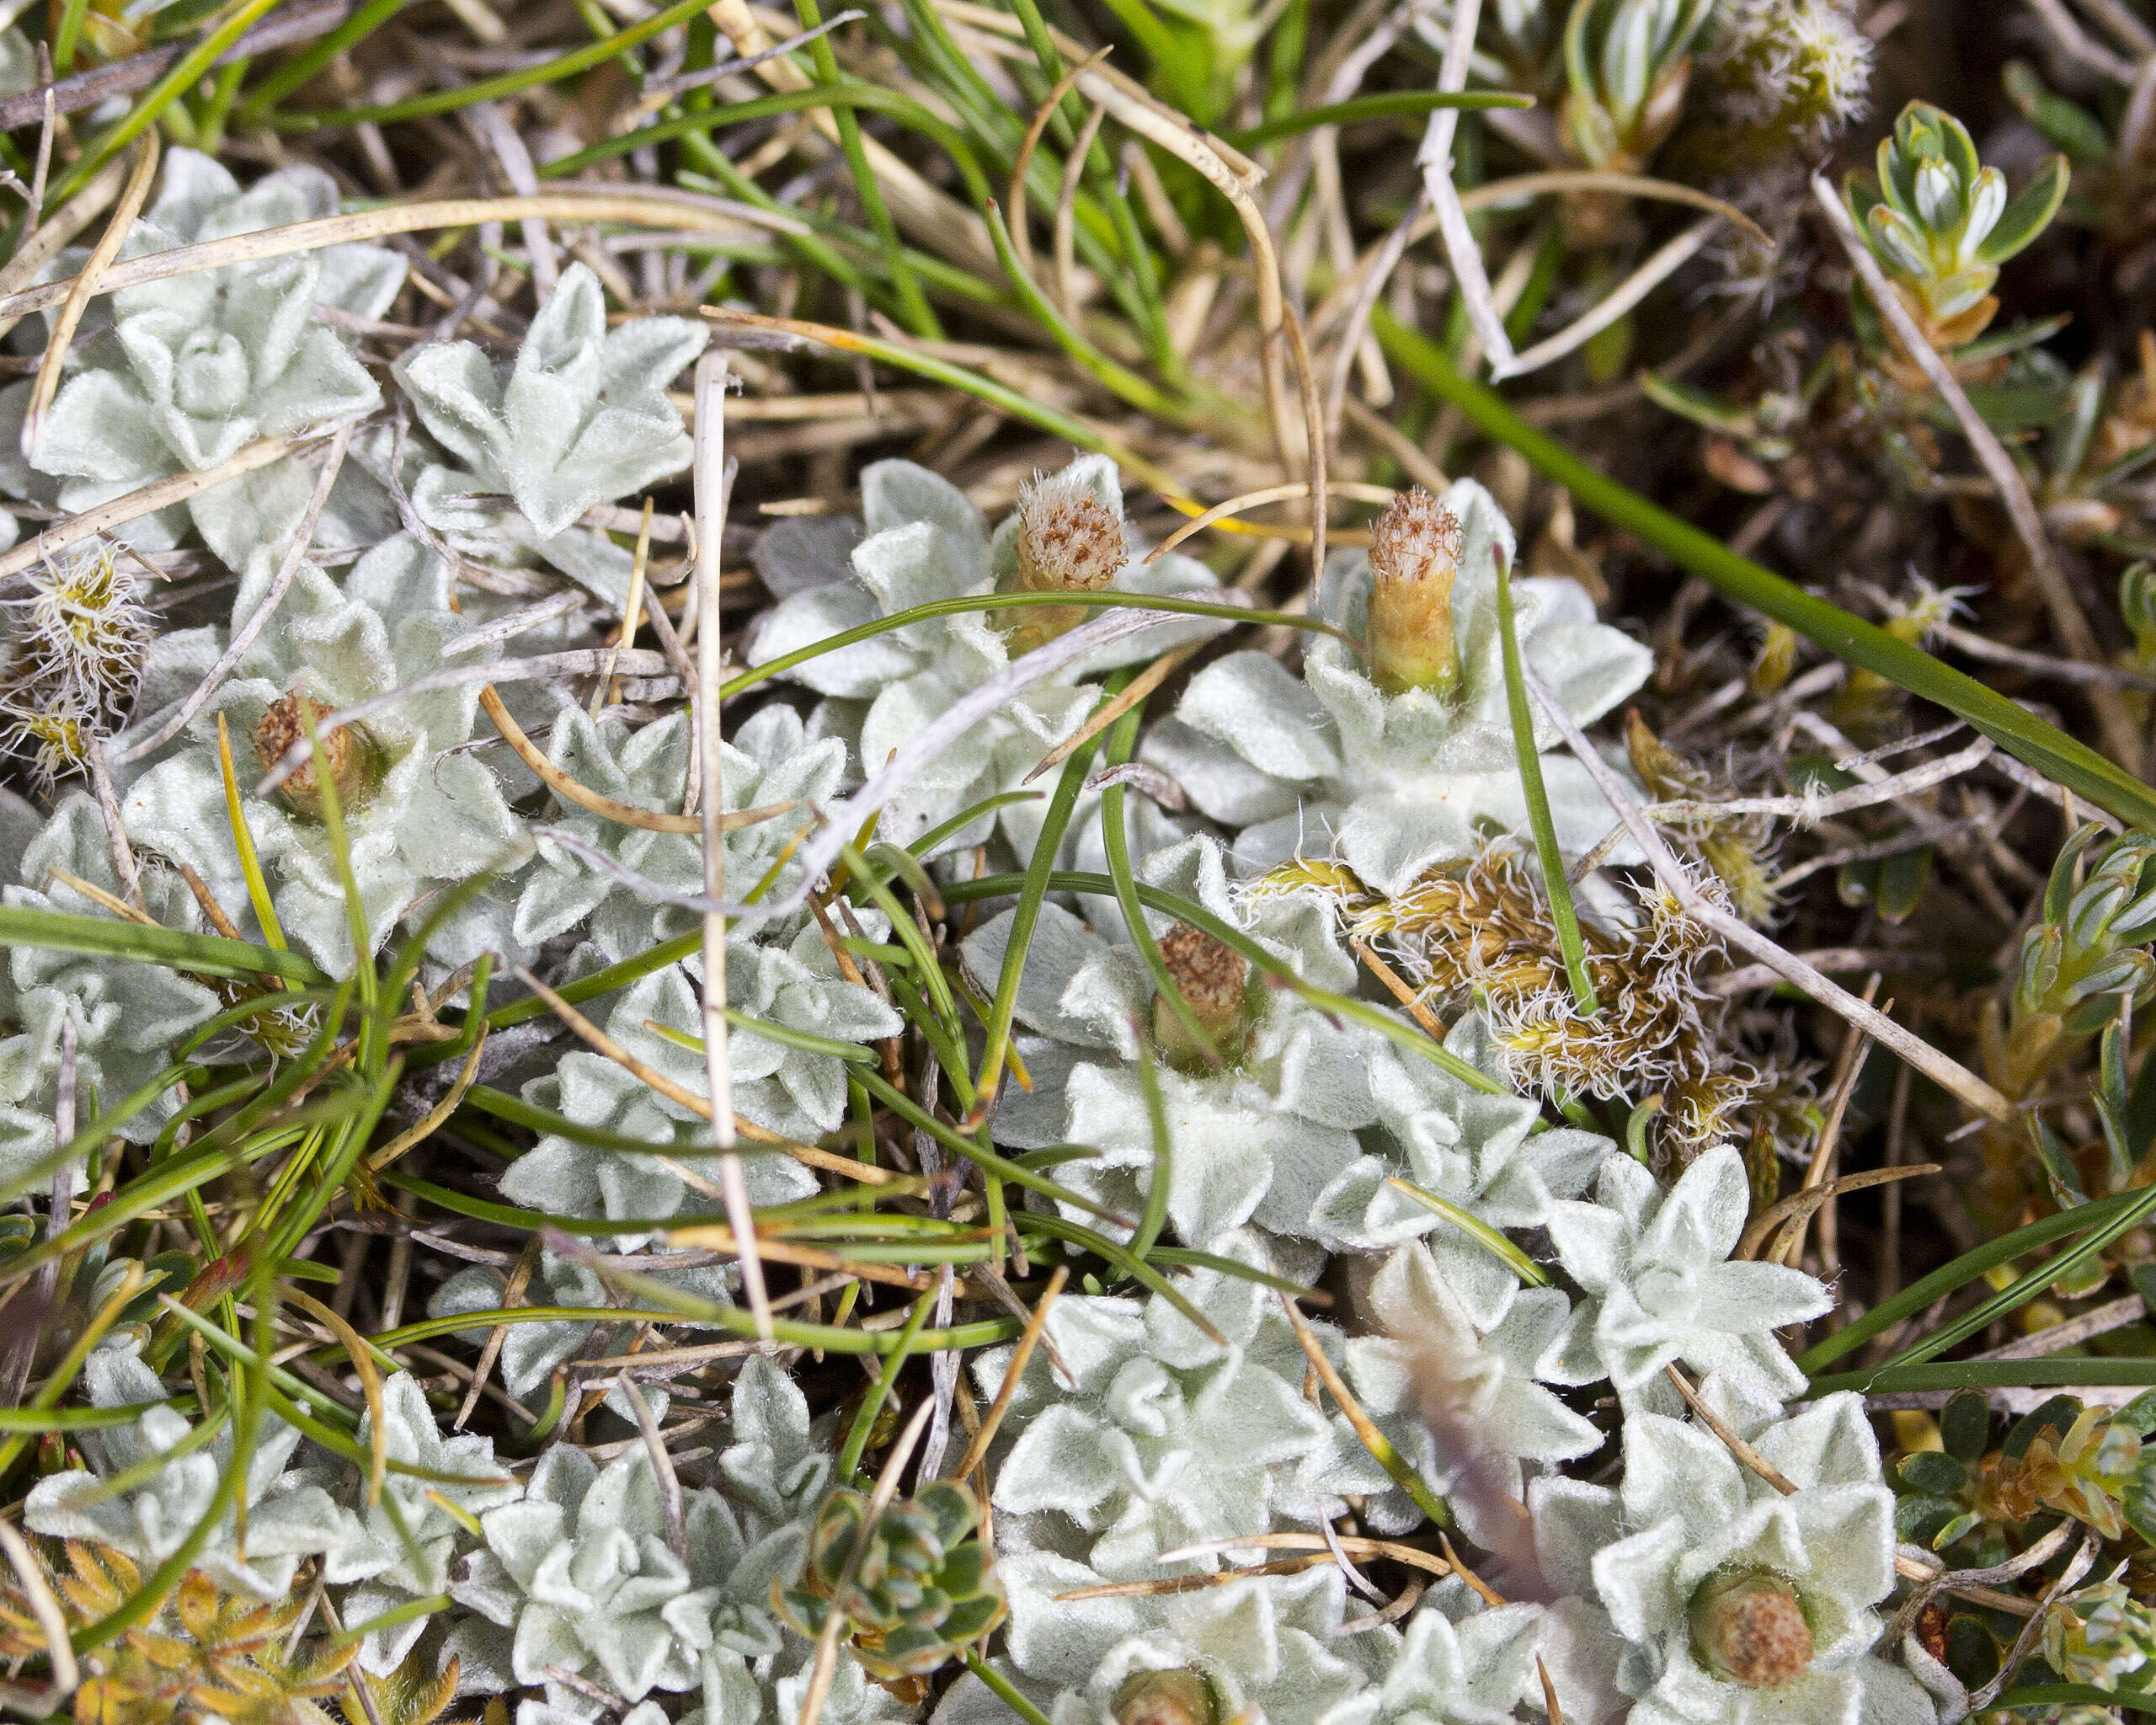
1068	541
1482	934
345	749
1750	1627
1415	548
77	641
1214	980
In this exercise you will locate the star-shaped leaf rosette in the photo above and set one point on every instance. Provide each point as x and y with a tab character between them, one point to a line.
1479	1154
416	816
584	1572
401	1548
768	762
925	540
795	1090
580	417
1255	1138
289	1514
1463	1398
189	368
1397	762
1459	1663
126	1017
1270	1647
1168	1437
1696	1593
1661	1286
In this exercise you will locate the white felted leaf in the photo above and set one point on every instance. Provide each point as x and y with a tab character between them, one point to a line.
580	418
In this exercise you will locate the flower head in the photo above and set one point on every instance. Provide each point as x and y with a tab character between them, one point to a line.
1395	782
1415	548
925	540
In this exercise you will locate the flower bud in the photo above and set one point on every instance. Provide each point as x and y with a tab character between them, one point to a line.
1165	1698
345	751
1069	541
1214	980
1750	1627
1415	548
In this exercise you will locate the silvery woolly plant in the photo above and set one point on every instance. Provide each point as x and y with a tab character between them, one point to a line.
188	369
169	1488
580	417
1167	1437
125	1018
1478	1151
400	1548
1396	762
531	1353
1463	1398
1255	1138
796	1091
1269	1646
922	539
1661	1286
1695	1592
416	816
1459	1662
768	762
581	1573
585	1574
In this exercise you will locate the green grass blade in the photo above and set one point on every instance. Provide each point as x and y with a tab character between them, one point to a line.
1963	1270
509	83
879	1393
913	305
2027	1287
1539	820
1987	1375
1115	840
108	937
1389	105
303	66
1155	1216
184	74
1025	917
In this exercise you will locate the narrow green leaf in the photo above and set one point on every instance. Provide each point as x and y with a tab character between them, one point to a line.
1538	820
1386	105
108	937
